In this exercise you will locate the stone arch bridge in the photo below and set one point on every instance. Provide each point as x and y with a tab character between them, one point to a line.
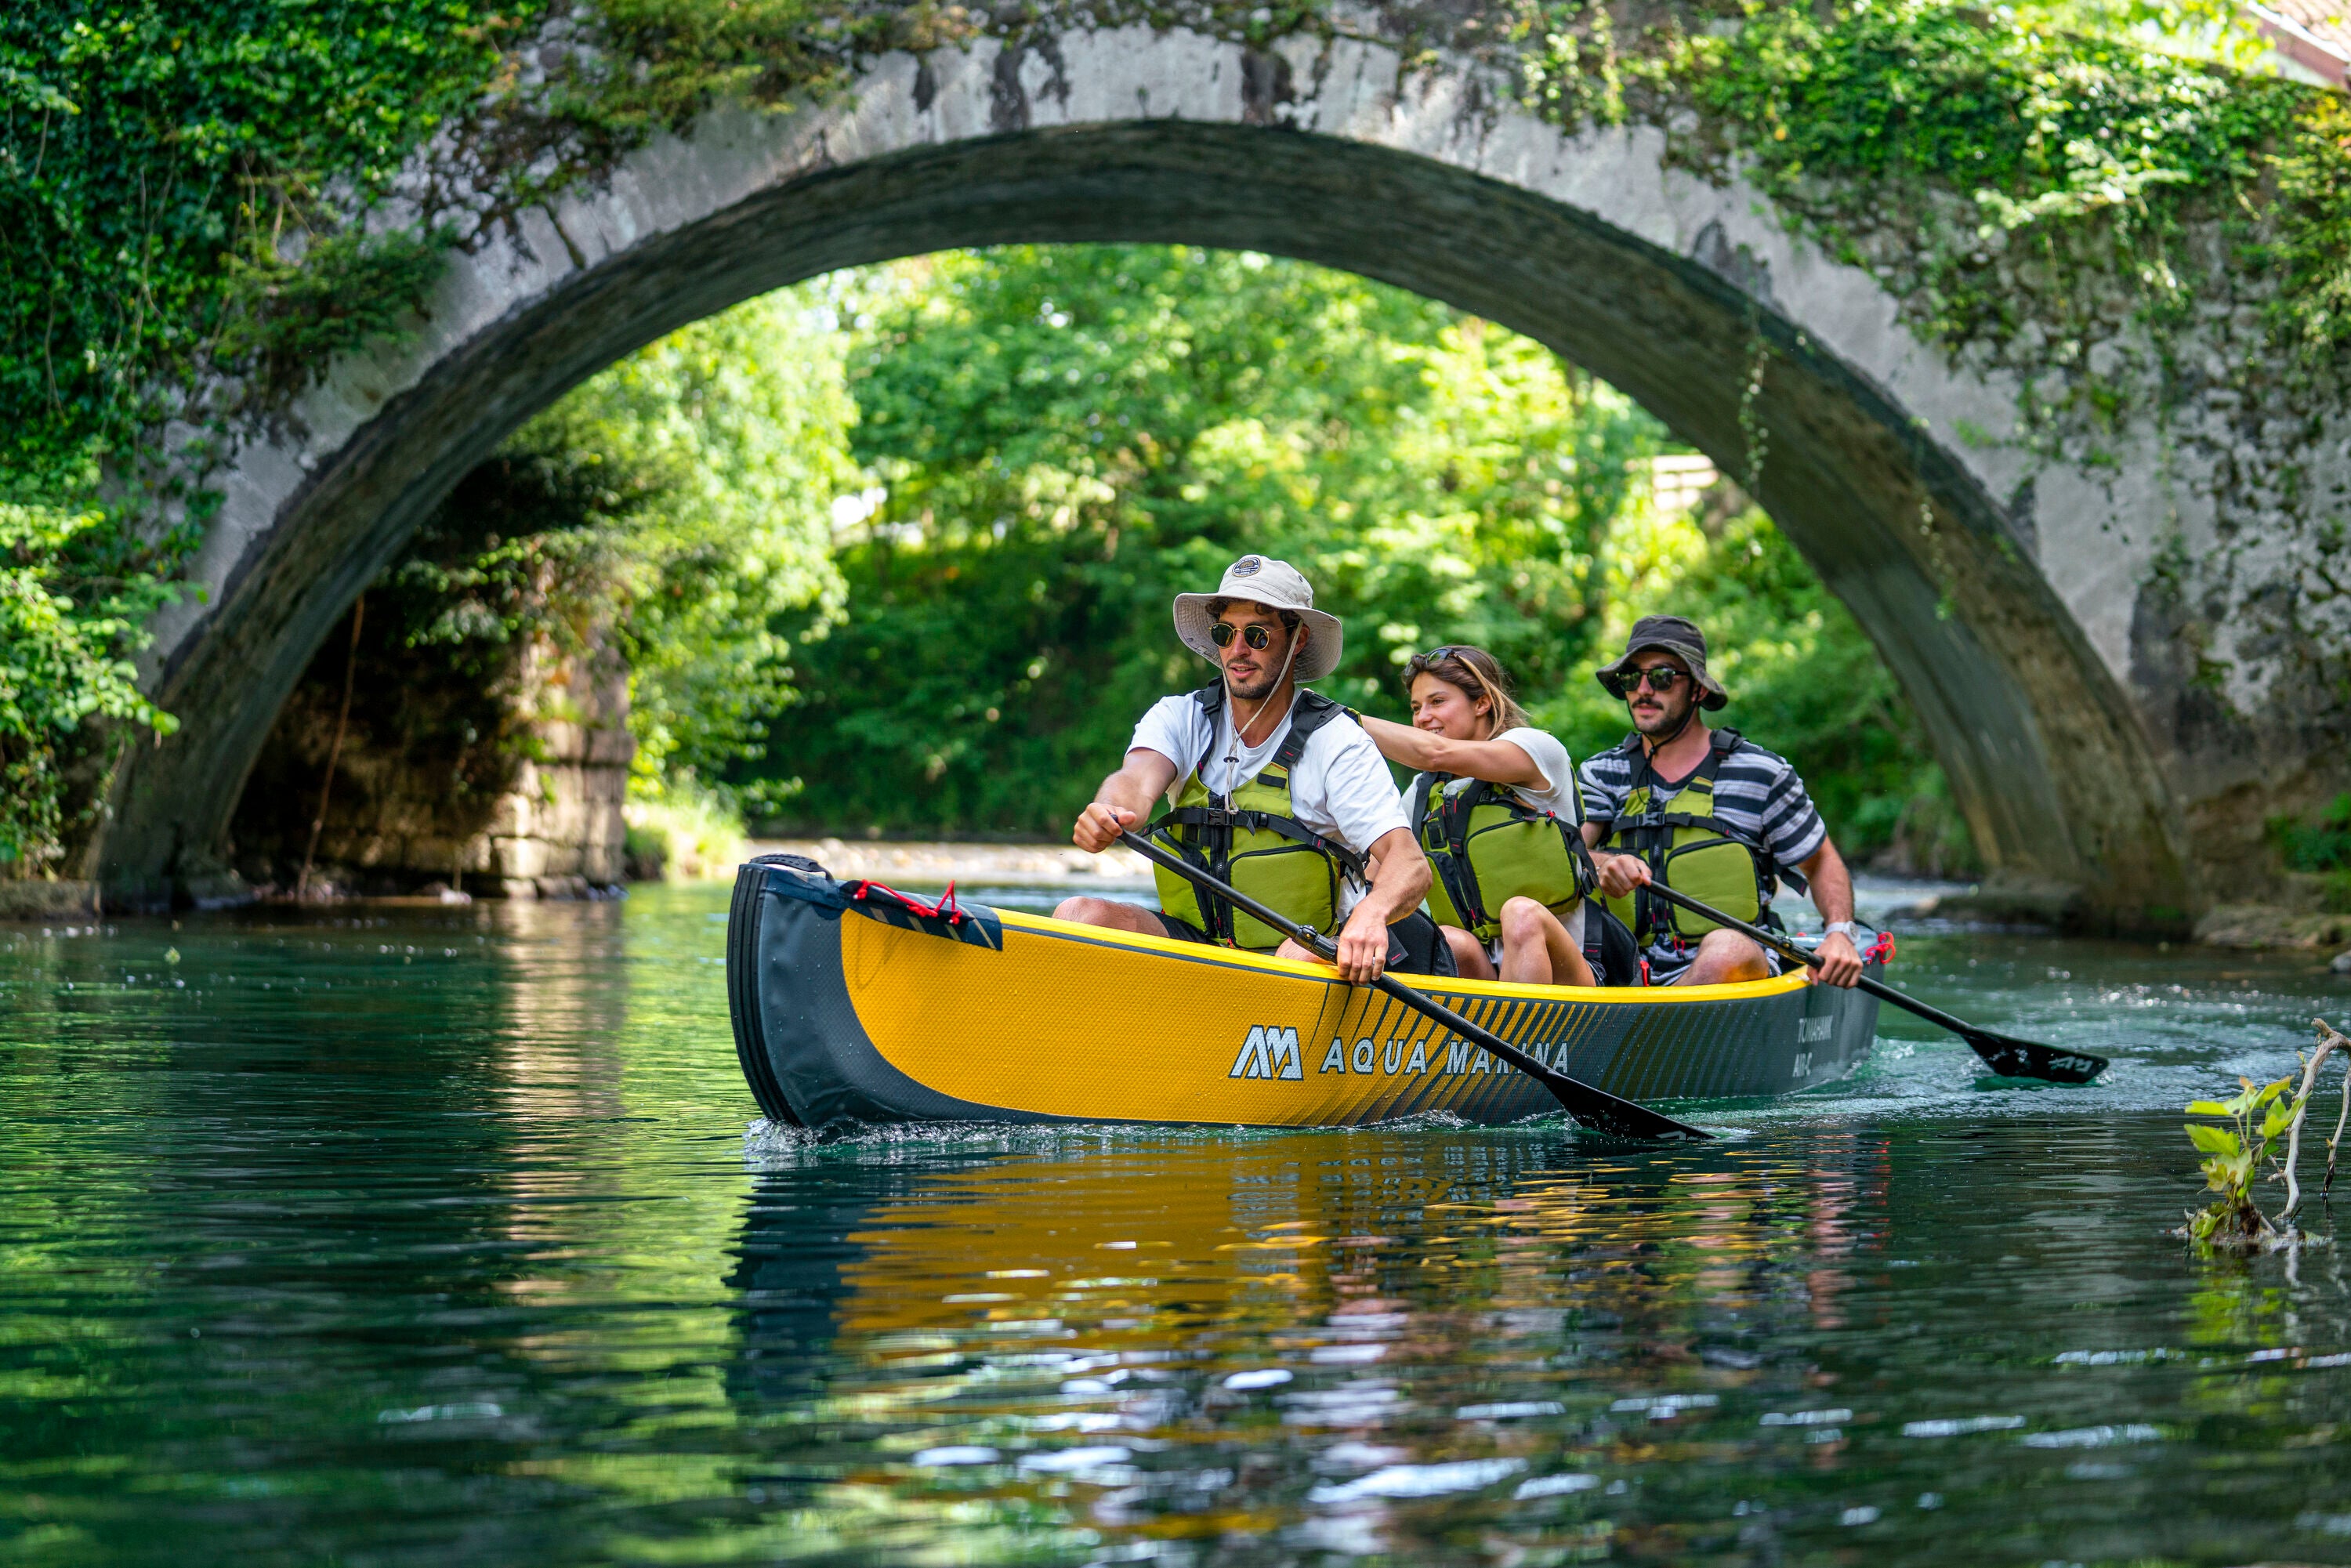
2018	600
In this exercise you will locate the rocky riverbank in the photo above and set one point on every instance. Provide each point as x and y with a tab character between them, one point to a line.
2300	911
934	864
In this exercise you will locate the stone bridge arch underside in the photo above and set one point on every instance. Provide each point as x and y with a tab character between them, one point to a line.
1993	589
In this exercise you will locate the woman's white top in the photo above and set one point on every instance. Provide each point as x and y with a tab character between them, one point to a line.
1556	795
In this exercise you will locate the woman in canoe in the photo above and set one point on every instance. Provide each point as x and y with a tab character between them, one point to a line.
1497	811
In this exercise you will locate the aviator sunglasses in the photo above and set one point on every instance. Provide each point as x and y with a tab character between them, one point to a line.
1660	680
1255	636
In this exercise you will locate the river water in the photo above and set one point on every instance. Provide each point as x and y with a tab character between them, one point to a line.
439	1237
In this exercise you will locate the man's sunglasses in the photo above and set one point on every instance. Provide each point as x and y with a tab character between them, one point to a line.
1223	631
1662	679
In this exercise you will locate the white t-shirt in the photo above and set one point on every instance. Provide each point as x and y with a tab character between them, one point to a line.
1559	797
1340	788
1562	797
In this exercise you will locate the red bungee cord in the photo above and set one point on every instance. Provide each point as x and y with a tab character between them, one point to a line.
946	909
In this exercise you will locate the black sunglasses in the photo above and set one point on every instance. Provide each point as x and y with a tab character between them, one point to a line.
1661	679
1426	664
1222	633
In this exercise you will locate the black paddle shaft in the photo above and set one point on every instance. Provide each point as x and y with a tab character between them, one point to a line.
1593	1107
2008	1057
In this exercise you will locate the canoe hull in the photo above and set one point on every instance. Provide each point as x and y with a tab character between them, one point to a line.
856	1011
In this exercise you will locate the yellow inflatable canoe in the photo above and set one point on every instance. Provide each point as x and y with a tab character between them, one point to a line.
852	1006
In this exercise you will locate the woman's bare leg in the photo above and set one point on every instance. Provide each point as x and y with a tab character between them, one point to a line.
1111	912
1537	949
1469	960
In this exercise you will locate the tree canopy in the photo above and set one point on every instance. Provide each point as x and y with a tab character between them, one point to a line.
1059	439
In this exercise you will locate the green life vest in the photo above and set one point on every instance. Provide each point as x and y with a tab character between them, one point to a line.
1487	846
1689	849
1249	840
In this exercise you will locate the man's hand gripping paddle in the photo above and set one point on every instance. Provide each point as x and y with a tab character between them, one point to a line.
2008	1057
1595	1108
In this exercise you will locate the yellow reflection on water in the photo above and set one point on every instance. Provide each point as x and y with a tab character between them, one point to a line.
1145	1243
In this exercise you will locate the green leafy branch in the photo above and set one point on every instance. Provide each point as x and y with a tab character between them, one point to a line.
2238	1154
2234	1157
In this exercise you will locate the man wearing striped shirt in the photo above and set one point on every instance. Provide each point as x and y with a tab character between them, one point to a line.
1663	679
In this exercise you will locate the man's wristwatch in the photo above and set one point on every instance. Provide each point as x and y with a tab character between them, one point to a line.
1840	928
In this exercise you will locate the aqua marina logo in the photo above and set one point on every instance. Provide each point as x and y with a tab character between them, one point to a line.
1272	1053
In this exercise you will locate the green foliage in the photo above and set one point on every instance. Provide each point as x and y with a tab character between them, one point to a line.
71	600
524	548
288	317
684	831
2080	155
2080	139
655	65
716	453
155	160
193	197
2321	846
2314	188
669	508
1066	437
185	187
2236	1154
159	166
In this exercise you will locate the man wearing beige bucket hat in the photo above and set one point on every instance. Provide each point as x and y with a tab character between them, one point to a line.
1273	788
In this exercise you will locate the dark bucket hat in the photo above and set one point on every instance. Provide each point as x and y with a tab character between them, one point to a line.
1669	634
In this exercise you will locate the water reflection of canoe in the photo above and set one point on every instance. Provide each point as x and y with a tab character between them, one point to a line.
849	1005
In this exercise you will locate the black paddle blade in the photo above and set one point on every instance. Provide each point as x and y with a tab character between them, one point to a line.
2013	1057
1605	1112
2004	1054
1595	1107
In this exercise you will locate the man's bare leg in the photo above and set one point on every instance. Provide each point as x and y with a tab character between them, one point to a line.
1111	912
1537	950
1725	958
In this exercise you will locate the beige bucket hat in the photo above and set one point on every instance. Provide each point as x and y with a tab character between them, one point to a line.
1277	585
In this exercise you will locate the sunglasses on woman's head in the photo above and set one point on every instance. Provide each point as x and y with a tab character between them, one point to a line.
1426	664
1661	679
1223	631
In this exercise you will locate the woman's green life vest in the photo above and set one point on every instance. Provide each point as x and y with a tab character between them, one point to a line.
1486	846
1689	849
1249	840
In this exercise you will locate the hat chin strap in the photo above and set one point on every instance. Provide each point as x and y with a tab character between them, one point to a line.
1239	729
1657	746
